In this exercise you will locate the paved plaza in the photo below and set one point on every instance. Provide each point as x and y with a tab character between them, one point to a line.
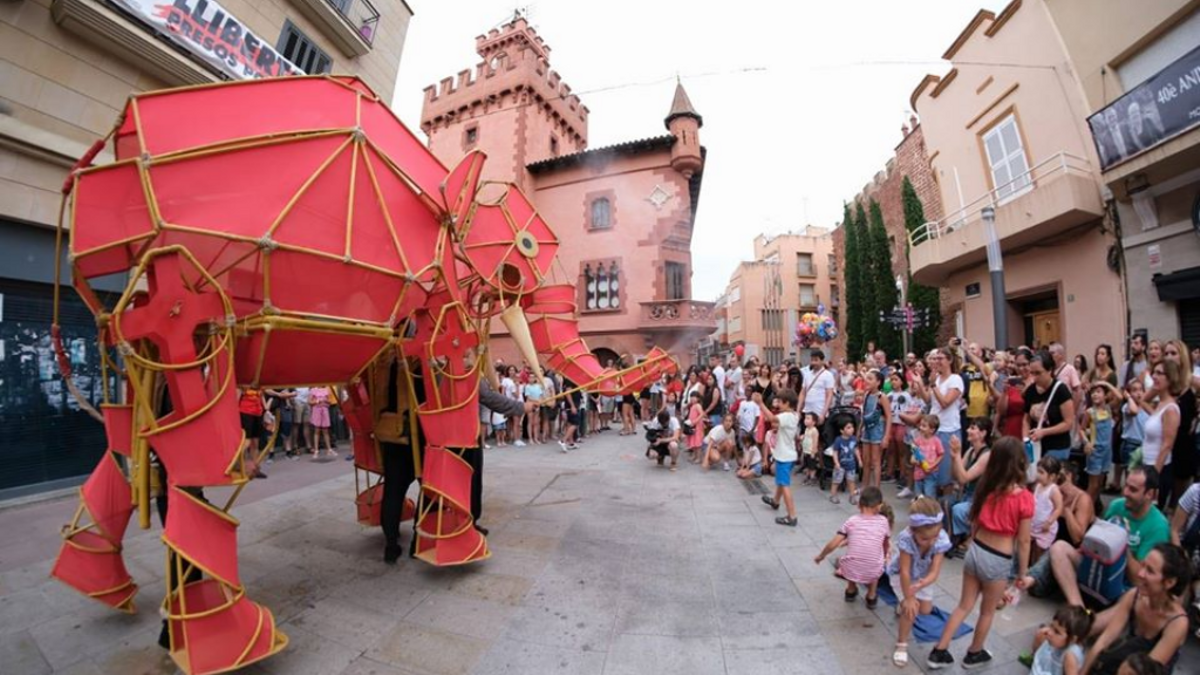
602	563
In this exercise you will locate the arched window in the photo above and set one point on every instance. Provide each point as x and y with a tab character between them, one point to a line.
602	287
601	214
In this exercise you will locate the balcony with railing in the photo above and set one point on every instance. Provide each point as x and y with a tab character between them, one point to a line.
1052	197
350	24
686	316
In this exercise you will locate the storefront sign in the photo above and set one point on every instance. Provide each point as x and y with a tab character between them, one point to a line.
1154	253
1155	111
204	28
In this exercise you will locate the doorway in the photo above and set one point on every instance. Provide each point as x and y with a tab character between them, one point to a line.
607	357
1042	320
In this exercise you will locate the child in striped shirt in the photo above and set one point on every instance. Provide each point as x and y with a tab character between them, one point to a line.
865	536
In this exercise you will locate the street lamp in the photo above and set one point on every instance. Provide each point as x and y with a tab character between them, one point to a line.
996	269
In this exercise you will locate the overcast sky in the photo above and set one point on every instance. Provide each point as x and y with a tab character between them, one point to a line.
802	102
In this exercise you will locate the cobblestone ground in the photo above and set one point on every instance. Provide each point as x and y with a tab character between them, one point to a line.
602	563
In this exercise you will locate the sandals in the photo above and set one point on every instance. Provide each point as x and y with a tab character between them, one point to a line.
872	601
835	500
851	596
900	656
786	520
770	502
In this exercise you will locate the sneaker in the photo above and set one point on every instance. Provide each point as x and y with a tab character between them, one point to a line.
486	446
938	659
975	659
854	499
270	461
294	457
573	446
520	443
562	445
725	465
904	493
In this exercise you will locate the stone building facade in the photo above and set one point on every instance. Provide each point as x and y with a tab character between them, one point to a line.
66	70
623	213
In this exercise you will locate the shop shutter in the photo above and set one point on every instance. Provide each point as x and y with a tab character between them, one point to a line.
1189	321
46	436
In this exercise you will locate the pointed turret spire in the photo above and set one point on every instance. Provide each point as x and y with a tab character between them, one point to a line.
682	107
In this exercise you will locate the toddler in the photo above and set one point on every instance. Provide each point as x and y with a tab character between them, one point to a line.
865	536
1058	648
846	458
927	455
810	443
1047	505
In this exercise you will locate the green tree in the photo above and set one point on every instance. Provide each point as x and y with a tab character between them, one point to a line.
852	325
922	297
883	281
865	315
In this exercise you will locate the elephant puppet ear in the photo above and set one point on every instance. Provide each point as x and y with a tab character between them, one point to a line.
459	188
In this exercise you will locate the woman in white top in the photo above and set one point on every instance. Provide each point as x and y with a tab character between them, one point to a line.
945	400
1158	433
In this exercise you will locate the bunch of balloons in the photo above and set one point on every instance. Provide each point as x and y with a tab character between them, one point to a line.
814	329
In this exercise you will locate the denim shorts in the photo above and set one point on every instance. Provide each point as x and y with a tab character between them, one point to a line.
850	474
1099	462
757	469
987	564
927	486
873	433
783	473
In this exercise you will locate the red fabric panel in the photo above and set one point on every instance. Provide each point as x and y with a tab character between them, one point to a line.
459	188
371	240
195	117
457	428
298	356
365	456
243	191
417	227
118	428
89	572
108	498
203	537
312	285
398	143
214	643
109	206
318	220
218	431
448	473
551	299
369	504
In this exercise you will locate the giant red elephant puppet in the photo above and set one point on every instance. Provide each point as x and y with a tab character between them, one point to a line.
278	233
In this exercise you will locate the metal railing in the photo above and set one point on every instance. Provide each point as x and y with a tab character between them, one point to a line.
1046	171
361	15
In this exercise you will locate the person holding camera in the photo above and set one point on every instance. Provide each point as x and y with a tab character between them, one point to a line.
663	434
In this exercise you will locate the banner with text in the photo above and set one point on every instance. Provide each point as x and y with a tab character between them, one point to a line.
1156	110
204	28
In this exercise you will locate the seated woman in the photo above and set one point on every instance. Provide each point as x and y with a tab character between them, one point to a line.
1149	618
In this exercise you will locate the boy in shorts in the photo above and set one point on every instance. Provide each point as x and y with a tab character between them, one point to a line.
787	424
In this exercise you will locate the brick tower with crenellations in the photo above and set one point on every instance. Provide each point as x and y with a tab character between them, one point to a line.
512	106
623	213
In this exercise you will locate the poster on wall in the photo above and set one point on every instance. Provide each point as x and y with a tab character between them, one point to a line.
206	29
1155	111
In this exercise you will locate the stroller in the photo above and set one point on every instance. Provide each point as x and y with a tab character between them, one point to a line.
834	422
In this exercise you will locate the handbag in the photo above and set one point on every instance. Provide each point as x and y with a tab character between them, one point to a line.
1033	449
391	427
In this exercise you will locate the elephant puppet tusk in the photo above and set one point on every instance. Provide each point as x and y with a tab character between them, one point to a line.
514	320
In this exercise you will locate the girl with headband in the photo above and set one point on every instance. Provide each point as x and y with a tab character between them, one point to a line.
920	549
